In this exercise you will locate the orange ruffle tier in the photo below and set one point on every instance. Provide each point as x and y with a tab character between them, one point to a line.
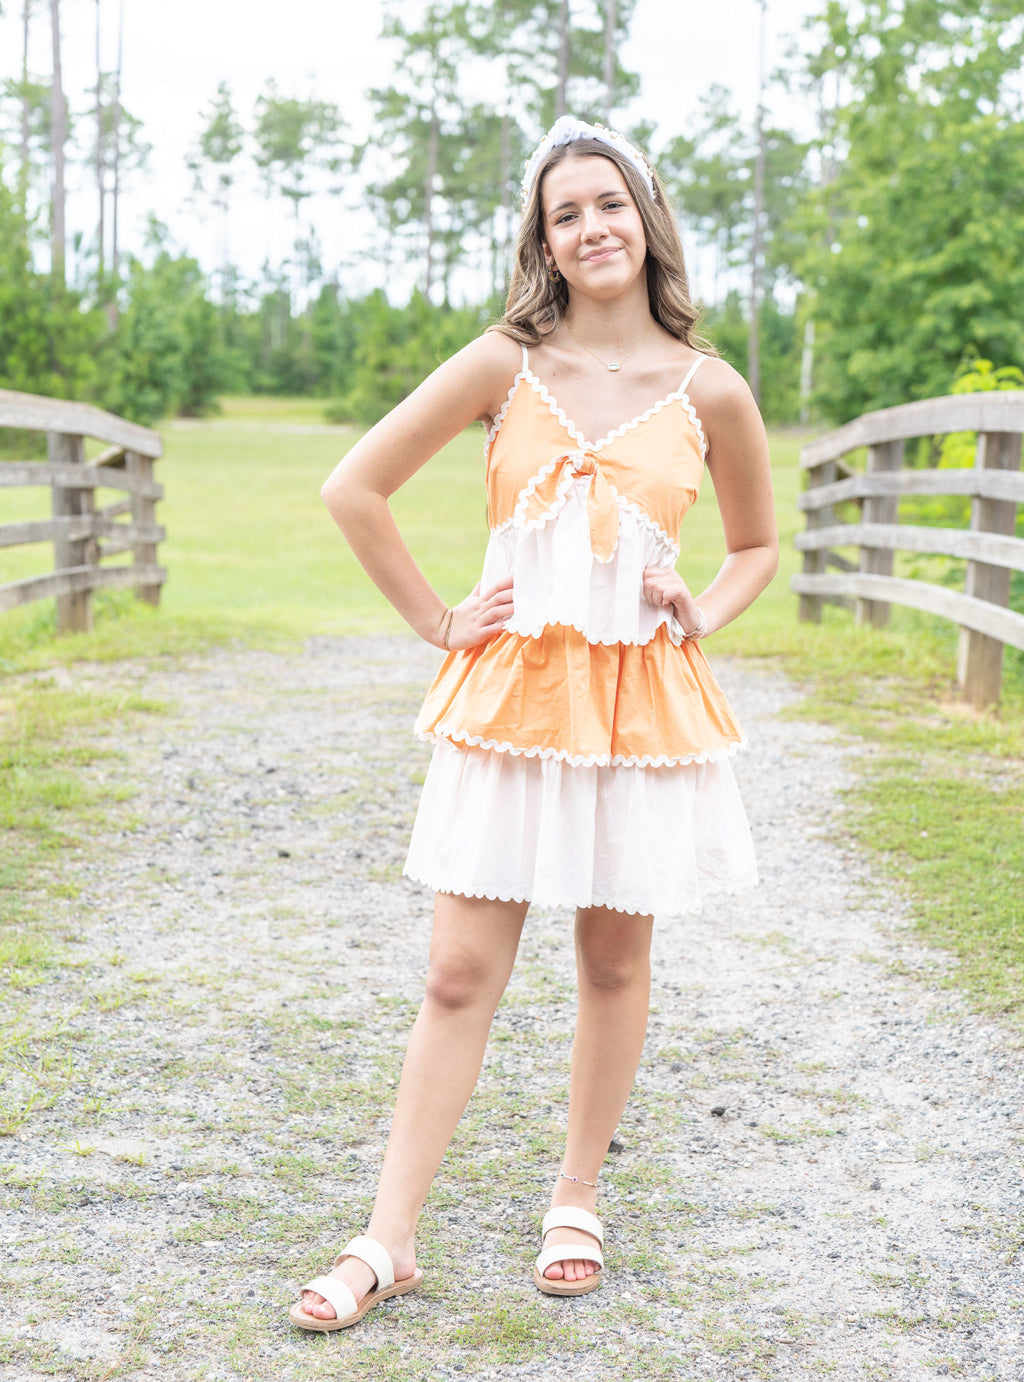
558	696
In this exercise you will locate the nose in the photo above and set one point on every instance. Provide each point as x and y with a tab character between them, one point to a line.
592	224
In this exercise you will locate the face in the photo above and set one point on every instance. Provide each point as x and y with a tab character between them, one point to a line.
592	229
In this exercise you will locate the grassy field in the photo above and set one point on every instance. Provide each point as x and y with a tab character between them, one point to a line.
253	555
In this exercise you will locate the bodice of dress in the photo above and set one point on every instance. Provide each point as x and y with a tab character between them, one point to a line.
586	671
576	521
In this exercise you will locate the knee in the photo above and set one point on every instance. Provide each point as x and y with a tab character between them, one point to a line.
610	969
456	980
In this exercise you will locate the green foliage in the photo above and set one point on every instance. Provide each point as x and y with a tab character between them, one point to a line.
446	193
292	137
913	247
167	357
218	146
780	353
975	376
397	348
956	451
710	175
48	338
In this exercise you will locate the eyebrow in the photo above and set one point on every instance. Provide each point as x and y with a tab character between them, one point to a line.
618	192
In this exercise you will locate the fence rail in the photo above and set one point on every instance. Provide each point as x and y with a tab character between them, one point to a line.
83	535
990	546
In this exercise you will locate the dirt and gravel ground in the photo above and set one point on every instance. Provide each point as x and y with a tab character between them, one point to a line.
819	1174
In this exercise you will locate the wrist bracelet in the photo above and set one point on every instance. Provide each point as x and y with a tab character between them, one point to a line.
447	622
702	626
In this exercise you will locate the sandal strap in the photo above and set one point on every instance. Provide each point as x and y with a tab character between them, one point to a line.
568	1216
568	1252
336	1293
377	1258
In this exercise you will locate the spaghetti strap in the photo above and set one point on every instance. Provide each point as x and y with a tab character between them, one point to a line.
689	373
526	361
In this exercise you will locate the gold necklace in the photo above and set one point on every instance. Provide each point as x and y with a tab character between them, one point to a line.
618	363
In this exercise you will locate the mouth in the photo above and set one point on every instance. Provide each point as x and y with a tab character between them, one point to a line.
598	255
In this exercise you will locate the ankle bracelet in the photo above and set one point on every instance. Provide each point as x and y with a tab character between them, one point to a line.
577	1180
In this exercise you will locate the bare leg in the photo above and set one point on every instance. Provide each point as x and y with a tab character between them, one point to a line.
472	951
613	964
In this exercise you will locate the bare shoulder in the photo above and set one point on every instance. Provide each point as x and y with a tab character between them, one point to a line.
493	360
720	387
727	409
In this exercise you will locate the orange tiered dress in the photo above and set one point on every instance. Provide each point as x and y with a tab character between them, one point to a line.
582	755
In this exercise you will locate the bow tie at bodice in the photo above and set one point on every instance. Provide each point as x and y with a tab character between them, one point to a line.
547	496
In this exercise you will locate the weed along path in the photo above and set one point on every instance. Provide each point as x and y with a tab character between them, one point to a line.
819	1173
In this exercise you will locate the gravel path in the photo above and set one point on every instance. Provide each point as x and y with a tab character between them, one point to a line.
819	1173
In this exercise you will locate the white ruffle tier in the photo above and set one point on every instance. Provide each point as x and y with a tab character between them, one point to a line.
558	580
652	841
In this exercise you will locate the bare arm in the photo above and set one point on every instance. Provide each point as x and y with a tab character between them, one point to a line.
740	470
468	386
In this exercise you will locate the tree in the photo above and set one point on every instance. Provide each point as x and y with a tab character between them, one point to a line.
211	161
444	177
926	209
119	151
397	346
48	341
295	138
558	56
420	120
167	355
711	176
757	215
58	139
27	128
25	95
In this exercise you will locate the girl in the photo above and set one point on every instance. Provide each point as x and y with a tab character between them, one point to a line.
581	743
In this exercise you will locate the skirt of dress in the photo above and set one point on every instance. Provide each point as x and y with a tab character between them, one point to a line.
653	841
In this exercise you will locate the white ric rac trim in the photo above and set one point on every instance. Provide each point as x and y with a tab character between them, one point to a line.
557	411
453	735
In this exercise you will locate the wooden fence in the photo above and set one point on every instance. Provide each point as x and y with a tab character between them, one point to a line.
83	535
995	487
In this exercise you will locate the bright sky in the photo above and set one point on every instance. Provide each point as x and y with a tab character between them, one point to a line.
175	55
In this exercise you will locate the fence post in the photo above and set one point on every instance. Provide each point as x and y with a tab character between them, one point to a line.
879	508
143	511
816	559
980	658
74	610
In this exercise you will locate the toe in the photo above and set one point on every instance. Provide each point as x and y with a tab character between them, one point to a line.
315	1305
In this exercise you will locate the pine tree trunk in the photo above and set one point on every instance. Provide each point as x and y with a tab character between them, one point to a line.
24	171
807	372
115	253
58	138
101	196
562	82
433	158
610	25
754	336
506	209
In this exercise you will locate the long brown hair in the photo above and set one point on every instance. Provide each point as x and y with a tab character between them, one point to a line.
535	305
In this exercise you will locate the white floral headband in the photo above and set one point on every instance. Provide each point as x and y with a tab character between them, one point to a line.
567	130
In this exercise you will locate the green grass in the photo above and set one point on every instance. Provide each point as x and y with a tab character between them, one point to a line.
253	556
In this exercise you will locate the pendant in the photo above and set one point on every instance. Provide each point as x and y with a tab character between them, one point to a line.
613	368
